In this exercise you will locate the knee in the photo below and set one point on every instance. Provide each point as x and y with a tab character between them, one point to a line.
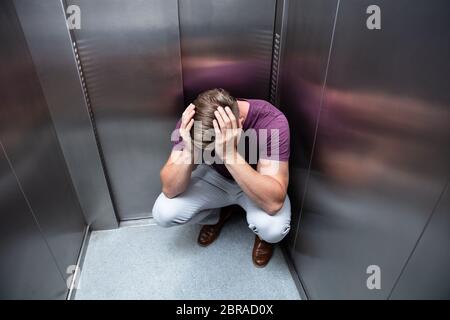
270	231
166	211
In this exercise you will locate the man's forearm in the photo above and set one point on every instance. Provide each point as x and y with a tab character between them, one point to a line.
264	190
176	174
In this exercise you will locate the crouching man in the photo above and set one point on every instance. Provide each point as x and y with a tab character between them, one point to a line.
228	151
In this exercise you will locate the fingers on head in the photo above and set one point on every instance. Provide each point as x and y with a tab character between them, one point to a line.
188	109
219	118
231	116
216	127
190	124
225	117
222	113
187	116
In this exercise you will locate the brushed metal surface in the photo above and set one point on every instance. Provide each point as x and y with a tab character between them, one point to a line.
227	44
30	144
304	61
51	49
426	275
381	153
278	50
27	268
130	57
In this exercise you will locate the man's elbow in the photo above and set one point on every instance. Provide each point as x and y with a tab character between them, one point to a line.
276	203
169	193
166	190
273	208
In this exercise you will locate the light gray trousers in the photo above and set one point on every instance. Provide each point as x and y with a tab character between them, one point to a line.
208	191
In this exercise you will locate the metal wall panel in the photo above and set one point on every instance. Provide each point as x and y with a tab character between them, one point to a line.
278	52
53	55
380	159
27	268
227	44
426	275
29	140
130	57
51	49
304	62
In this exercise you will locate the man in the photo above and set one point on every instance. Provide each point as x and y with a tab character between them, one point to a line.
220	128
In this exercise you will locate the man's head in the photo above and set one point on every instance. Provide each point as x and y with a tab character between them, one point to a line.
206	103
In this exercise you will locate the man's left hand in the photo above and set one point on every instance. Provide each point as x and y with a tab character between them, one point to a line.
228	131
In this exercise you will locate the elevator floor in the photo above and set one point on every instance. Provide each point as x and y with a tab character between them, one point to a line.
150	262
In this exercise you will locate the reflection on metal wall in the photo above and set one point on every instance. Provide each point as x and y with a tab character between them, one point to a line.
227	44
130	55
45	223
27	268
426	275
380	159
307	44
52	53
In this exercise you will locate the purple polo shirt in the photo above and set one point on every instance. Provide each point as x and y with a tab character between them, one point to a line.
266	131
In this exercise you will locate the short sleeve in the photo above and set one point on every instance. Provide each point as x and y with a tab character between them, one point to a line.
176	139
278	140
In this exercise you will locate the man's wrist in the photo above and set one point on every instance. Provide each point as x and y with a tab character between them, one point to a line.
233	159
186	157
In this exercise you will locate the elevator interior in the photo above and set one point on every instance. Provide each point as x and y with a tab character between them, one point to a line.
86	116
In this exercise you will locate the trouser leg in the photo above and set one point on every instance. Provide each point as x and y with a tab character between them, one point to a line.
200	203
270	228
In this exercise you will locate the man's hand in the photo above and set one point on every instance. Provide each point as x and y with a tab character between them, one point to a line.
187	122
228	131
176	173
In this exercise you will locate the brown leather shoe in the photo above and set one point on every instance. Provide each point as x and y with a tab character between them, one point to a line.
209	233
262	252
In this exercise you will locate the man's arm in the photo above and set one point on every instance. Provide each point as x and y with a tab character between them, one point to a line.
267	191
266	186
176	173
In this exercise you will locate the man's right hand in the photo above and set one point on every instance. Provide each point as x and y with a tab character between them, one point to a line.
187	122
176	173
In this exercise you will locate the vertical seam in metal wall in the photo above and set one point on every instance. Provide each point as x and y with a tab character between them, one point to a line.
181	50
274	33
419	238
92	119
52	125
282	50
13	171
317	122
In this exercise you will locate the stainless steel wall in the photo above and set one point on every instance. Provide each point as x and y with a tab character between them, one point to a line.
42	223
426	274
227	44
130	57
302	76
27	269
378	160
53	55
